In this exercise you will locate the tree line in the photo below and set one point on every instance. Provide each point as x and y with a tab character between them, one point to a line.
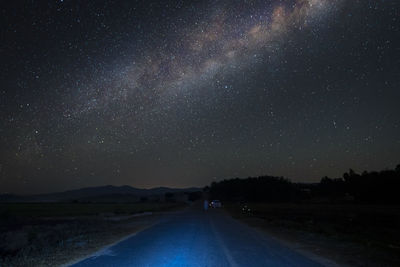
374	187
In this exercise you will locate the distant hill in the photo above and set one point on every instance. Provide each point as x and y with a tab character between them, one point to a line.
88	193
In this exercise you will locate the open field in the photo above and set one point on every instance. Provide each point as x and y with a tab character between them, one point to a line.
50	234
359	233
79	209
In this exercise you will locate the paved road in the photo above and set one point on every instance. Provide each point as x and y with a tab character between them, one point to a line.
198	238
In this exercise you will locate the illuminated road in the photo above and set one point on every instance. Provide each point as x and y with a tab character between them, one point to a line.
197	238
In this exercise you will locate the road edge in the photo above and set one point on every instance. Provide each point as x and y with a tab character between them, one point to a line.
290	244
103	249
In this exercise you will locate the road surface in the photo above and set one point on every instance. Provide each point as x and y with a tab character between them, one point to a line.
198	238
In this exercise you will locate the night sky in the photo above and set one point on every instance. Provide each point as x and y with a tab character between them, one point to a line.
183	93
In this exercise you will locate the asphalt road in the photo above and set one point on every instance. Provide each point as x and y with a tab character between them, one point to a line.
198	238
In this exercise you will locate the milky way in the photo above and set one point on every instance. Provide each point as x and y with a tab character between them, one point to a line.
227	38
174	93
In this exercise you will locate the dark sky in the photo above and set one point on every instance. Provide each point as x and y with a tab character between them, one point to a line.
182	93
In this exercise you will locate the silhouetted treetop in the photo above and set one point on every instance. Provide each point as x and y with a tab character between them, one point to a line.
370	187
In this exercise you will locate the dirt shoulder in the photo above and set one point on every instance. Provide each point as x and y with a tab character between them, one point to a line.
315	246
323	241
123	229
59	241
56	242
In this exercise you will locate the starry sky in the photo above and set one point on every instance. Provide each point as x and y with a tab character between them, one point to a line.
183	93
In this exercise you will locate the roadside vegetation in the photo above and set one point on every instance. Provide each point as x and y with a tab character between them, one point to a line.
35	210
356	234
51	234
356	216
380	188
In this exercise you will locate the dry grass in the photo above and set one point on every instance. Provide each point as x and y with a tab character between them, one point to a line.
368	233
79	209
44	235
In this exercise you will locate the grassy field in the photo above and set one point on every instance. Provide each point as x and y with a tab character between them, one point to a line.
51	234
374	229
79	209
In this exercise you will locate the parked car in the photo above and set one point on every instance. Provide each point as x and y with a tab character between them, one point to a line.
215	204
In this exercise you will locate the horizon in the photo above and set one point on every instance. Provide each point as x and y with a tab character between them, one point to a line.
195	186
107	185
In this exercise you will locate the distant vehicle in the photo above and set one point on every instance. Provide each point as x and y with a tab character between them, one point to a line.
215	204
246	209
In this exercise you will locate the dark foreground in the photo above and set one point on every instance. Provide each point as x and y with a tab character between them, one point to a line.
198	238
